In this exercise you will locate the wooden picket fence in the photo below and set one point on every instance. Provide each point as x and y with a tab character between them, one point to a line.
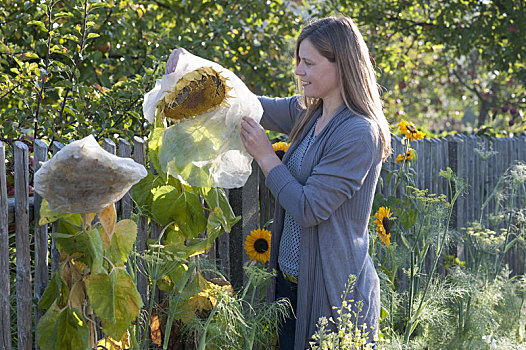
253	202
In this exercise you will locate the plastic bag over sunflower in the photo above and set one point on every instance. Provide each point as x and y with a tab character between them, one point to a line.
84	178
198	108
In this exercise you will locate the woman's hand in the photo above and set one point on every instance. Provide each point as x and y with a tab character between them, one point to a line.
171	64
257	144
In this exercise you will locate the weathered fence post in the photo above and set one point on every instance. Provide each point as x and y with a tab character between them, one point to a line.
266	201
455	163
23	258
126	203
55	255
139	153
223	250
244	202
41	237
5	313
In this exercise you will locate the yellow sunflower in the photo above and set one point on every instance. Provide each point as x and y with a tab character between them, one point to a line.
280	148
257	245
410	131
407	157
383	225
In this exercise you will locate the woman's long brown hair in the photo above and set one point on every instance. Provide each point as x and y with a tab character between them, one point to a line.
339	40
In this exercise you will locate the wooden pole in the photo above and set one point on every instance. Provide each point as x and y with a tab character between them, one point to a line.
139	153
5	313
244	202
55	255
23	258
126	203
41	237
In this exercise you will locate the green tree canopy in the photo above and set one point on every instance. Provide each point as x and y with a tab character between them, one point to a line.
71	68
441	59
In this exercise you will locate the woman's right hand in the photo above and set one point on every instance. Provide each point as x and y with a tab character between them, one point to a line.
171	64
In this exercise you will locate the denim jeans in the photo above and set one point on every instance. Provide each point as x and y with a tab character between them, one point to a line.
287	331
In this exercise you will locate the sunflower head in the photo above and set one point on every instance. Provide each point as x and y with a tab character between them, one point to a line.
383	224
197	92
405	157
280	148
410	131
257	245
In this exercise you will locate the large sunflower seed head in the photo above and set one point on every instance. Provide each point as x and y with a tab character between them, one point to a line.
84	178
197	92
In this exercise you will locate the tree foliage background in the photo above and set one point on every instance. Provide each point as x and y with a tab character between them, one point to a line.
74	67
71	68
448	65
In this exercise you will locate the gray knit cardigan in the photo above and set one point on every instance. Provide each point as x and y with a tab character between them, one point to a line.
331	201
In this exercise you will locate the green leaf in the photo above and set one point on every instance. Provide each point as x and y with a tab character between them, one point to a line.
383	313
172	234
95	5
39	24
48	216
189	214
72	330
62	329
56	289
408	218
221	210
163	204
92	35
184	208
154	143
86	244
124	236
46	331
142	192
115	300
168	282
70	224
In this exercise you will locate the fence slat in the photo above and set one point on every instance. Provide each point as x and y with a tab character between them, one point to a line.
455	163
266	201
5	313
41	238
428	163
126	203
55	255
139	153
477	172
244	201
23	258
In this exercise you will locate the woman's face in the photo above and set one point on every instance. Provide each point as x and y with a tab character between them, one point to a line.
319	76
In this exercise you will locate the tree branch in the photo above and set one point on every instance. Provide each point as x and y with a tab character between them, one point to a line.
10	90
50	24
82	42
470	88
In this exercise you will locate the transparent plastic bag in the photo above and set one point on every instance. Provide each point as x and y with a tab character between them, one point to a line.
84	178
205	150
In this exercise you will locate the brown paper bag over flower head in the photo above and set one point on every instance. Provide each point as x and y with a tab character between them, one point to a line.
84	178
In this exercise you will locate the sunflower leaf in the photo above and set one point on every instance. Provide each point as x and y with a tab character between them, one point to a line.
408	218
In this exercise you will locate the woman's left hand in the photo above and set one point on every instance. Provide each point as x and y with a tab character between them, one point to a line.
257	144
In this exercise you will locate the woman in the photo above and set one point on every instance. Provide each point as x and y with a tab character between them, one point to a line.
324	186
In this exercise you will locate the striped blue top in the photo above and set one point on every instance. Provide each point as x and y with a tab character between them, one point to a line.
289	246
